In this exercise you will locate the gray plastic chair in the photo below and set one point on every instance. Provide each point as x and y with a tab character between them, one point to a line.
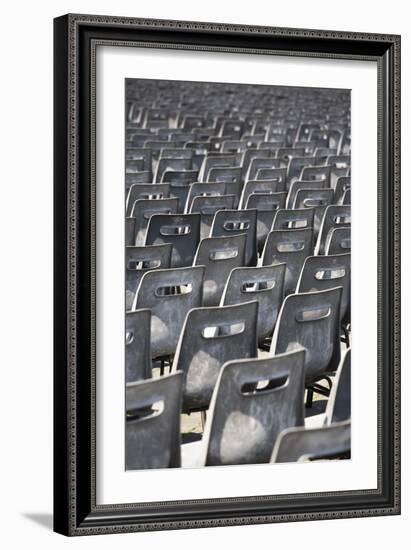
334	216
211	336
296	166
289	246
152	430
317	173
216	161
140	191
138	177
338	241
225	175
304	444
293	219
266	206
219	256
140	259
259	186
227	223
207	207
138	352
339	402
318	199
323	272
182	231
172	164
179	182
204	190
254	400
297	185
279	173
264	284
342	185
142	211
129	231
346	199
311	321
170	294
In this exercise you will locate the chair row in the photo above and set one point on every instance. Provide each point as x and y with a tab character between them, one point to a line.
256	416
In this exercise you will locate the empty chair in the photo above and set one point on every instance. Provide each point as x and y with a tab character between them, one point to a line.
312	321
338	241
225	174
322	272
334	216
204	190
207	206
258	164
339	402
152	432
140	191
211	336
317	173
304	444
142	211
257	187
219	256
138	352
140	259
138	177
170	294
293	219
134	165
253	402
342	185
179	182
318	199
172	164
297	185
182	231
233	222
216	161
266	205
289	246
346	199
264	284
296	166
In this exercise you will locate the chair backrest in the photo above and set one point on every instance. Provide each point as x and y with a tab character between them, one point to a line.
138	352
342	185
233	222
311	321
289	246
274	164
317	173
296	166
174	164
179	182
264	284
204	190
259	186
266	205
139	177
303	444
225	174
318	199
338	241
335	215
129	231
211	336
293	219
297	185
170	294
139	191
182	231
322	272
216	161
142	211
339	403
253	401
152	438
140	259
208	206
219	256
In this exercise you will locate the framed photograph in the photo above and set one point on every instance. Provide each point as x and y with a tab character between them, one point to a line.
219	358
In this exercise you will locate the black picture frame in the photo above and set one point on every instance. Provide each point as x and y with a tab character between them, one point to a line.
75	41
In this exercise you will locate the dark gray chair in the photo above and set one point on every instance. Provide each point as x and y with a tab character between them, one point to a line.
204	190
338	241
152	431
266	205
304	444
138	177
216	161
289	246
172	164
211	336
182	231
264	284
342	185
142	211
140	191
219	256
170	294
225	175
138	352
311	321
140	259
179	182
334	216
208	206
323	272
296	165
259	186
346	199
318	199
317	173
227	223
293	219
339	402
297	185
279	173
254	400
